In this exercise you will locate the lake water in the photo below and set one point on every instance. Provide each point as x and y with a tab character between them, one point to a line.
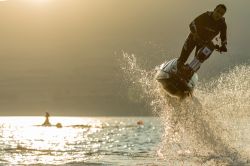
95	141
211	128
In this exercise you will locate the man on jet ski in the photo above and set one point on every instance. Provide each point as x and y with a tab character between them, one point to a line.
204	29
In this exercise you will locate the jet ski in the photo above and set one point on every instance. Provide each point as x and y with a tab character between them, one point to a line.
182	82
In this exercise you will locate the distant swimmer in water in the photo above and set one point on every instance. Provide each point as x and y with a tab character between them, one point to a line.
59	125
46	122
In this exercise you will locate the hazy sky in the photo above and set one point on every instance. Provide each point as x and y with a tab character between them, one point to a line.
61	55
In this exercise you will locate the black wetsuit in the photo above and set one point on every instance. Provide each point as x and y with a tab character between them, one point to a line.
207	28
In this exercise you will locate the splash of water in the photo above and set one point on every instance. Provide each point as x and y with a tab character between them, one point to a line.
204	127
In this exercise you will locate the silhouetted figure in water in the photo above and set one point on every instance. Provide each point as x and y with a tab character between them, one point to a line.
46	122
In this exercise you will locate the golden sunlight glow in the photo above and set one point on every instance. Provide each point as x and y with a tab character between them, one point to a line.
40	137
39	2
27	134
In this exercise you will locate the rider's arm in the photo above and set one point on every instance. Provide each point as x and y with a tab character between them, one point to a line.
223	36
198	22
223	33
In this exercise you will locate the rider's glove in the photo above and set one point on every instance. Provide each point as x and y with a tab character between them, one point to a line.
223	48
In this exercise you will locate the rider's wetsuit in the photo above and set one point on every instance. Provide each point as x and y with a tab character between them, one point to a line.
207	28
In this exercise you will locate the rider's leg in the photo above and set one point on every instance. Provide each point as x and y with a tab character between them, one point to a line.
186	51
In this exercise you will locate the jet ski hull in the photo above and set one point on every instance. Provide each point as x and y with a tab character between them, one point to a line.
173	82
